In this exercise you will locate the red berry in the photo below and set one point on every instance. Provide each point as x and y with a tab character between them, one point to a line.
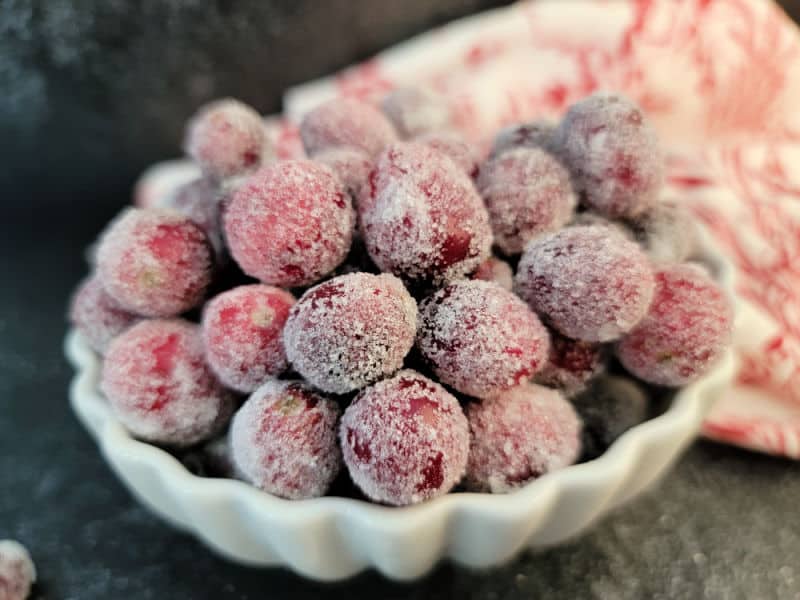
225	138
17	572
479	338
290	223
527	193
415	111
160	181
454	146
588	282
571	364
422	218
494	269
158	385
404	440
346	122
283	440
97	316
534	134
519	436
350	331
685	332
154	262
613	154
243	335
351	166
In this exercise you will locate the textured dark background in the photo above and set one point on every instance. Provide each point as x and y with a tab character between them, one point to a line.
92	91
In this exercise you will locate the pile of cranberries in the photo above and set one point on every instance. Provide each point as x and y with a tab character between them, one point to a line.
343	317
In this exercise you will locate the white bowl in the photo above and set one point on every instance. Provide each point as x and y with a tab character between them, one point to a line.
333	538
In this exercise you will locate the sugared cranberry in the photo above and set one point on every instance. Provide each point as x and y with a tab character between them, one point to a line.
404	440
455	147
17	572
290	223
589	282
519	436
422	218
534	134
527	193
154	262
571	363
159	387
346	122
352	167
479	338
350	331
243	335
613	154
226	138
415	111
494	269
283	440
667	232
160	181
97	316
685	332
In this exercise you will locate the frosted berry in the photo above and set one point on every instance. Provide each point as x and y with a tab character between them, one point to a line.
415	111
534	134
243	335
154	262
17	572
494	269
351	166
571	364
346	122
283	440
200	201
290	223
519	436
588	282
455	147
667	232
527	193
226	138
685	332
350	331
613	154
159	387
160	181
404	440
479	338
97	316
422	218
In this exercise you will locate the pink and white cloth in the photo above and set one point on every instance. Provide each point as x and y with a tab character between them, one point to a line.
720	80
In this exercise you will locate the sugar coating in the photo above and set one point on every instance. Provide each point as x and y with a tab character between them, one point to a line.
527	193
243	335
494	269
667	232
352	167
519	436
685	332
571	364
453	145
422	218
160	181
609	406
283	440
404	440
480	338
346	122
414	111
613	154
588	282
154	262
350	331
226	138
159	387
200	201
17	572
533	134
290	223
97	316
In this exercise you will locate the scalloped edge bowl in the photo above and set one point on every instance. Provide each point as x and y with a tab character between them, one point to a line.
334	538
